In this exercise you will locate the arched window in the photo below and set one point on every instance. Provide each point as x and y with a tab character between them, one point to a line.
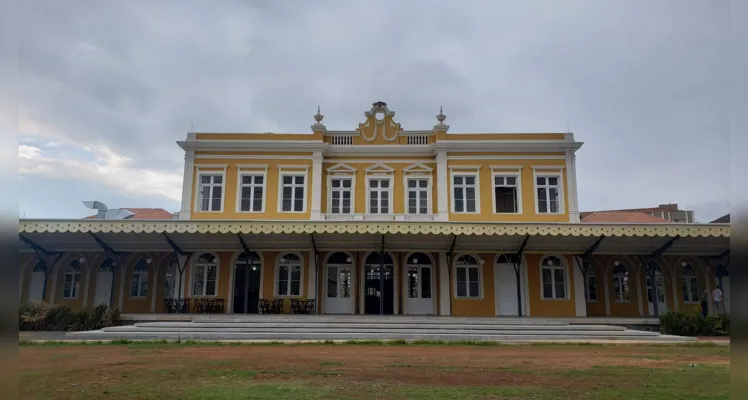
468	277
72	280
553	273
251	260
621	282
690	284
205	275
139	285
288	276
503	259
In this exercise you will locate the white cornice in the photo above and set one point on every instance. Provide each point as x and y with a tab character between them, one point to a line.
254	145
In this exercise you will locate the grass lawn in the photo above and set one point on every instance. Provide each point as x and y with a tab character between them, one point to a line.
372	371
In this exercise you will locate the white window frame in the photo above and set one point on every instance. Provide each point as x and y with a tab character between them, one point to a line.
683	277
72	272
565	268
479	267
142	276
390	197
276	276
429	191
195	266
617	276
251	171
214	170
592	275
471	171
331	178
289	172
513	174
552	172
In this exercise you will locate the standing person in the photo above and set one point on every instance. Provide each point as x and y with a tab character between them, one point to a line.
704	303
717	299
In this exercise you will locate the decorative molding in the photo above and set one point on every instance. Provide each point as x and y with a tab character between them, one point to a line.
252	166
516	168
341	168
205	166
294	167
465	167
553	168
506	157
418	167
380	169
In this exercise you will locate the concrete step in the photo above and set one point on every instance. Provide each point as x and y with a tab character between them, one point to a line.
277	336
366	326
383	330
377	320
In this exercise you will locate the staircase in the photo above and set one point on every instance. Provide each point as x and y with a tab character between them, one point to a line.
337	328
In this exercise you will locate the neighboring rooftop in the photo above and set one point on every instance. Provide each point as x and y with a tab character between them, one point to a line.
725	219
144	213
663	212
621	216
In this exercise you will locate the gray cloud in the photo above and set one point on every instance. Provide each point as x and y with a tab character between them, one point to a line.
644	84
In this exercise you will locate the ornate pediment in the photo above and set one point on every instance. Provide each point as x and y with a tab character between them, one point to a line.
341	169
380	169
418	168
379	125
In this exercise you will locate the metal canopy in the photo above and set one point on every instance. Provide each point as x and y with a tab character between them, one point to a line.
190	242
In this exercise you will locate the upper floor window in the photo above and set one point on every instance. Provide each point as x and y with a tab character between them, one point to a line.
341	195
211	192
553	275
72	280
139	285
251	192
288	275
621	282
418	195
205	275
465	193
379	195
293	189
506	194
690	284
549	193
468	274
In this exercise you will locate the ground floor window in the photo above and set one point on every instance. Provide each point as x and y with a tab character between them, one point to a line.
690	284
139	285
467	273
591	286
72	280
205	275
288	275
553	274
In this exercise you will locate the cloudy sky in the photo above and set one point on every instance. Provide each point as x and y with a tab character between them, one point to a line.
107	87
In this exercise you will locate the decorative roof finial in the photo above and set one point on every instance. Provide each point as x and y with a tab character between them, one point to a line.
319	116
441	117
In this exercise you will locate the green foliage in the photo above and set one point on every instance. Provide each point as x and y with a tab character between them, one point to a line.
40	317
694	324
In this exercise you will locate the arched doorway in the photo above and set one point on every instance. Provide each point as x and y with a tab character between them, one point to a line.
104	279
38	282
660	298
247	279
339	284
419	290
505	282
379	284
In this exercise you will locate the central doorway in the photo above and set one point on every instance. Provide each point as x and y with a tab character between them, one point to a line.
247	278
419	279
338	286
379	293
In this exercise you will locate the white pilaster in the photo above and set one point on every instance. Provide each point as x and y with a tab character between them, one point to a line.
316	210
571	179
442	186
580	301
445	286
187	180
312	277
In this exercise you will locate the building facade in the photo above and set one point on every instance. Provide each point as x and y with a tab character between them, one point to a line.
376	220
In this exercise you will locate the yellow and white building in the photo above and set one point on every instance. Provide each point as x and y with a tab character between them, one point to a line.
377	220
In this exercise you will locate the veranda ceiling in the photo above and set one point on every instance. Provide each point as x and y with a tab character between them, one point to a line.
131	236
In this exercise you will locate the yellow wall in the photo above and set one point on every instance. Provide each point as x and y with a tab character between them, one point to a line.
549	308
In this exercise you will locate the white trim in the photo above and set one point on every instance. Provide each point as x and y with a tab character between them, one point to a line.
198	195
509	173
239	186
330	178
445	287
506	157
554	168
380	168
418	168
434	272
188	178
390	192
465	167
282	173
571	174
429	192
476	174
377	161
316	208
269	156
515	168
193	269
481	290
211	166
580	300
280	255
232	274
565	267
293	167
340	168
561	193
354	278
252	167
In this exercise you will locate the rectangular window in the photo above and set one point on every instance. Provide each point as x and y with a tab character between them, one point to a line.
72	282
292	193
591	287
379	195
289	280
204	281
465	189
418	195
341	195
468	282
139	285
506	194
251	192
548	192
211	192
